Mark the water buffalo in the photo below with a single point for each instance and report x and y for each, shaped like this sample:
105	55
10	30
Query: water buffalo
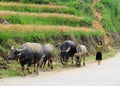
80	54
67	49
48	52
28	53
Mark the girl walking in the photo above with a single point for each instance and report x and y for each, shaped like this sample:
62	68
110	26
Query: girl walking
99	49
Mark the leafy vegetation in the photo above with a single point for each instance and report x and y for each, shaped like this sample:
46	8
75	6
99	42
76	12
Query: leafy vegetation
110	10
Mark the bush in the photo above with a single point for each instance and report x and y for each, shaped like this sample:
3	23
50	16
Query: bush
87	21
85	7
110	14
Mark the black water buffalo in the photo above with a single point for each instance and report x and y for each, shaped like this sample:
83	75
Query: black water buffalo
67	49
28	53
48	56
80	54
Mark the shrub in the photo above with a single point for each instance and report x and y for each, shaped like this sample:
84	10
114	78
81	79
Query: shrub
85	7
87	21
110	14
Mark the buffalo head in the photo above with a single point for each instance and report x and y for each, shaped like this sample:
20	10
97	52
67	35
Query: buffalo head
78	58
64	55
14	53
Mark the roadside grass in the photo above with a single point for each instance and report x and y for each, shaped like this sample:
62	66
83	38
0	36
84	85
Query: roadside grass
15	68
107	55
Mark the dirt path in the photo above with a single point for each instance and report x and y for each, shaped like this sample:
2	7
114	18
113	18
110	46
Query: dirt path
98	25
107	74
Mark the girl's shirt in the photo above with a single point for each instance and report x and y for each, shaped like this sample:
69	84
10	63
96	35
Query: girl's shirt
99	48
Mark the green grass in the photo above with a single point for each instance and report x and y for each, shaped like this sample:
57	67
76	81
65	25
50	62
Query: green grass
39	8
17	19
110	11
48	20
107	55
13	70
44	36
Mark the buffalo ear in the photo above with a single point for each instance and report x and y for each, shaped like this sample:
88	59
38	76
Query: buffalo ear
13	47
59	51
75	54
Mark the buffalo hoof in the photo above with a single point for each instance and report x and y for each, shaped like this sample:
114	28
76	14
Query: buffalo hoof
22	74
37	73
51	68
30	72
78	64
83	64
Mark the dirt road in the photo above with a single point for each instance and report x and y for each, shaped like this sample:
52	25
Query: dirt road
107	74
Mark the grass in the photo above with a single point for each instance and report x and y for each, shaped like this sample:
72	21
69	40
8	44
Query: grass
7	13
107	55
45	18
110	10
40	28
11	6
43	32
14	70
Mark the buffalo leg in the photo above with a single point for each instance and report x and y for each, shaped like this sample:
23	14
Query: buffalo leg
23	73
51	64
72	59
84	60
28	68
80	62
48	63
44	66
36	68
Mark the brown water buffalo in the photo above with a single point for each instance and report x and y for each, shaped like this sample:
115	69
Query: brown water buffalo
80	54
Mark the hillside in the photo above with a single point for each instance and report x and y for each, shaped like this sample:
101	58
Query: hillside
53	21
43	21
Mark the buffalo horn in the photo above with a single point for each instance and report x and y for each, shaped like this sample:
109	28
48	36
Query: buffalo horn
19	50
68	49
